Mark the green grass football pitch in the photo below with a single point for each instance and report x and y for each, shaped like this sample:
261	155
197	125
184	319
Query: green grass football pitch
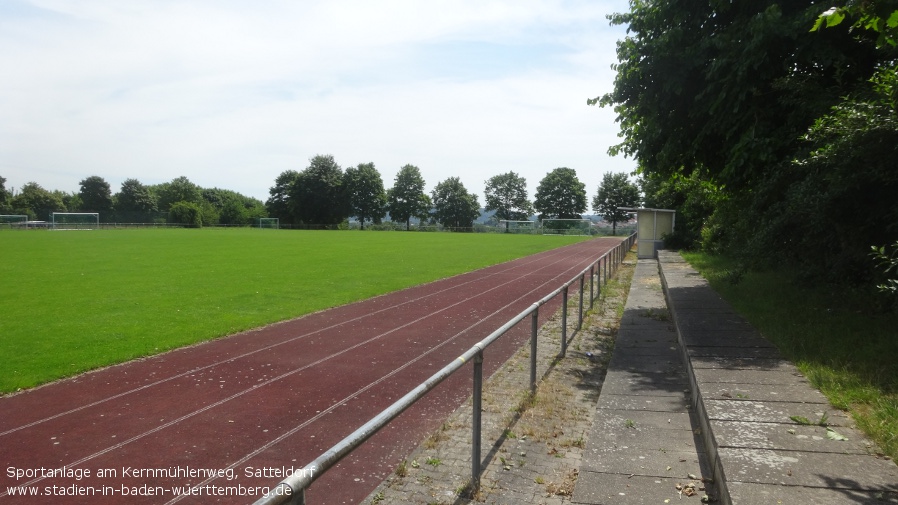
71	301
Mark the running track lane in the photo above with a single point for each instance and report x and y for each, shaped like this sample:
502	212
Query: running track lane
277	396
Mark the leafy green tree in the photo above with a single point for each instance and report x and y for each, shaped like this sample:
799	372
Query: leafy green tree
614	192
279	204
453	206
406	199
318	195
179	189
561	195
5	197
36	202
96	196
367	197
187	213
228	207
881	16
134	202
507	195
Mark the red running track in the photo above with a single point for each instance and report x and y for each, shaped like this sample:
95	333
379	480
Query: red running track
226	415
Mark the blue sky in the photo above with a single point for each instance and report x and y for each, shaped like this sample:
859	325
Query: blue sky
231	93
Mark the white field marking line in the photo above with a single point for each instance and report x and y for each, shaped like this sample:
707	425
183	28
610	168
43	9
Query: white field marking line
311	420
257	386
304	335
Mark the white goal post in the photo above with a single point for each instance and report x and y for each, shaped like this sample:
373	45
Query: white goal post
74	221
13	220
511	226
270	222
559	226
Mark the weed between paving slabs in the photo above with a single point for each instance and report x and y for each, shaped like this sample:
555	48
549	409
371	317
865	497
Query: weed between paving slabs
531	446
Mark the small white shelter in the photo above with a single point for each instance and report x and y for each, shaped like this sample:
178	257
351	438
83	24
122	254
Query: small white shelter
651	226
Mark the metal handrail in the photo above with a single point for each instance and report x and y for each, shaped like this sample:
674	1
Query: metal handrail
292	488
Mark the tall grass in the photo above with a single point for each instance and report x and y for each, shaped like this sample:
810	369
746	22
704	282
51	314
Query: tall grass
74	301
846	349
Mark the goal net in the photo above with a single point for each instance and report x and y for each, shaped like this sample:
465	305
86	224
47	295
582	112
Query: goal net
269	222
12	221
508	226
74	221
566	226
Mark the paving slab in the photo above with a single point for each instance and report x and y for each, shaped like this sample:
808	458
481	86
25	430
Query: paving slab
744	363
742	434
745	492
797	392
810	469
773	412
645	383
724	338
660	403
734	352
609	489
725	376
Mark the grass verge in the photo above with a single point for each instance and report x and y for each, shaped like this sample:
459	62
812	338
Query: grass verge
843	348
74	301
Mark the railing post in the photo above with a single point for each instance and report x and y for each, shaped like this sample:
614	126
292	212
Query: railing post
475	422
564	322
592	296
299	498
534	329
580	315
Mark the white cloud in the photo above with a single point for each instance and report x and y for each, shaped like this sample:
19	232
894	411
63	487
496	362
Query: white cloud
230	93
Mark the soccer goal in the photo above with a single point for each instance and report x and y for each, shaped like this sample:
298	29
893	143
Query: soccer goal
559	226
509	226
74	221
269	222
12	221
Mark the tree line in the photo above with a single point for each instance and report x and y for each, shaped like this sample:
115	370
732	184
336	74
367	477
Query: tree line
178	201
770	126
326	194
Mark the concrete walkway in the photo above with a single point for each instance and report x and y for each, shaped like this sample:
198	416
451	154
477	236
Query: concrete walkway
748	397
643	446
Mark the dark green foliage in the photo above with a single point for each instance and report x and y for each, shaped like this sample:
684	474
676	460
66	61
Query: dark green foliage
227	207
178	190
134	203
406	199
561	195
278	204
365	190
453	206
317	194
187	213
766	138
36	202
507	195
96	196
5	197
614	192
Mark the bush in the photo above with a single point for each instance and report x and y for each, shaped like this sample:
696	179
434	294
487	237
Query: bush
187	213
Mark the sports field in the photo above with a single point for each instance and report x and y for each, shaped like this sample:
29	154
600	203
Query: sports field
74	301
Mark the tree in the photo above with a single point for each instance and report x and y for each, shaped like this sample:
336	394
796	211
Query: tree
36	202
365	189
96	196
187	213
560	195
614	192
318	195
279	204
406	199
5	197
135	199
453	206
224	206
507	195
178	190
